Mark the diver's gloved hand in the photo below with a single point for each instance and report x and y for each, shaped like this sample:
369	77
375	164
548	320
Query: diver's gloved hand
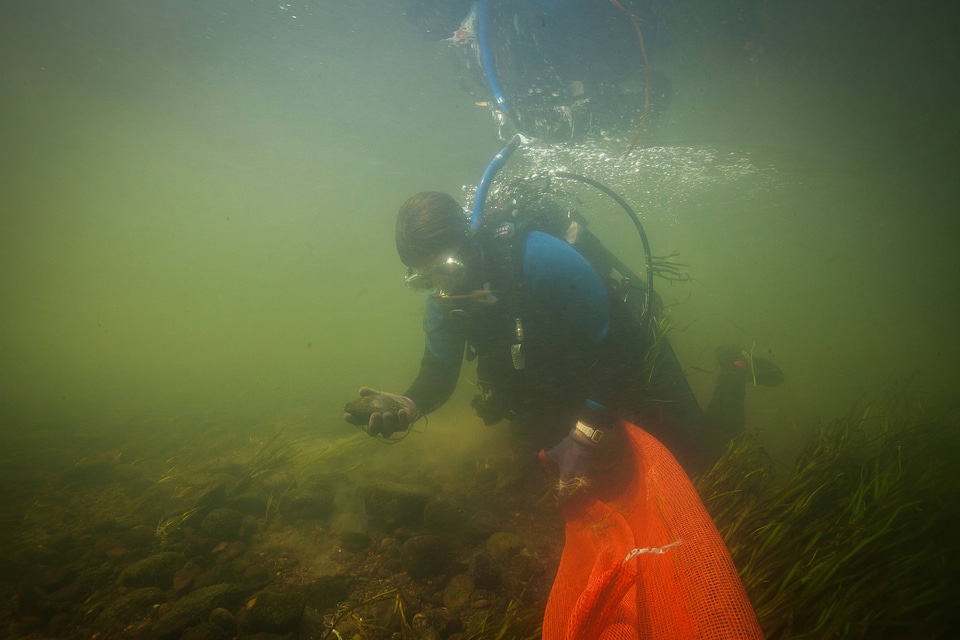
582	458
381	413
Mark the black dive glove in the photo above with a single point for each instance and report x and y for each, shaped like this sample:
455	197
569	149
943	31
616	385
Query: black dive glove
381	413
590	451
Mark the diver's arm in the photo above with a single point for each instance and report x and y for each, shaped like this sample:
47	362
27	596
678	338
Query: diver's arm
434	384
440	365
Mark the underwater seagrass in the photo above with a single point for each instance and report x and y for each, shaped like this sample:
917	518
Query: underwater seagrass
860	540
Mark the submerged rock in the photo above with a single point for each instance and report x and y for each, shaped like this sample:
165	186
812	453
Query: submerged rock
275	611
328	591
315	498
196	606
129	606
224	619
222	524
481	525
523	569
205	631
485	571
354	541
424	556
443	515
502	546
153	571
389	505
456	595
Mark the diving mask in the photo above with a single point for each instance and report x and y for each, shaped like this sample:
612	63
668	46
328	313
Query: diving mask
444	275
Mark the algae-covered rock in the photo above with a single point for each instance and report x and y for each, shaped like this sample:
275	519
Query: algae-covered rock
523	569
485	571
153	571
503	546
275	611
328	591
222	524
424	556
315	497
196	606
443	515
481	525
456	595
128	607
224	619
389	505
205	631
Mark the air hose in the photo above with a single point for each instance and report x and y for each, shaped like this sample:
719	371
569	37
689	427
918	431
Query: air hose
480	199
489	64
483	187
647	255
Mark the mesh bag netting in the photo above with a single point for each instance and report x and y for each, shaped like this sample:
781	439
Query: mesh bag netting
643	559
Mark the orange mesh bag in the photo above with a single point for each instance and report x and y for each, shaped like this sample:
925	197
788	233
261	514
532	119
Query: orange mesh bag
644	560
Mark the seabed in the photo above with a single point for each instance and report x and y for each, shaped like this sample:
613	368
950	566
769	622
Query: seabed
288	538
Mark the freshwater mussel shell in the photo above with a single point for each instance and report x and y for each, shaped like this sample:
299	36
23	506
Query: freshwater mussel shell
363	406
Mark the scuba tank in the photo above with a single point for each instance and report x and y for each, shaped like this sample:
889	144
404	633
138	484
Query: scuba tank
525	198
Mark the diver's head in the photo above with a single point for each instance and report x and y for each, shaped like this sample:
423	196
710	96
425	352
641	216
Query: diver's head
432	233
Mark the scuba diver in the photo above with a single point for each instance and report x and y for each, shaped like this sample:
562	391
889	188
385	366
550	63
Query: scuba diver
562	348
560	329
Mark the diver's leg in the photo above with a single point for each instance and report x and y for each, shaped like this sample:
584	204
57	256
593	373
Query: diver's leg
725	415
669	411
670	380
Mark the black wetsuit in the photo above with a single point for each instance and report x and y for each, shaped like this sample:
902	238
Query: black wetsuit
579	342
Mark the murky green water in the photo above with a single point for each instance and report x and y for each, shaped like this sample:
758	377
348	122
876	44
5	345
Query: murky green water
197	205
198	201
